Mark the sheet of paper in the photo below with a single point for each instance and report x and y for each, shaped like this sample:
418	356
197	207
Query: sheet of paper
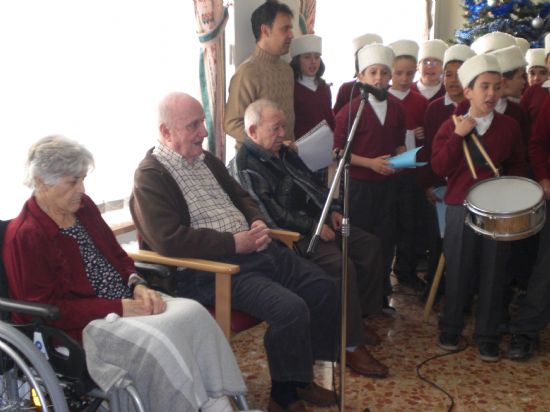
315	147
406	160
441	208
410	142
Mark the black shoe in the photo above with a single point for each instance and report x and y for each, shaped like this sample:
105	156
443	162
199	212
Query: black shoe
521	347
448	341
387	309
489	351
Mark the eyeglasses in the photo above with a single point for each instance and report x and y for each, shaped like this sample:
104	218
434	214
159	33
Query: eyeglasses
431	62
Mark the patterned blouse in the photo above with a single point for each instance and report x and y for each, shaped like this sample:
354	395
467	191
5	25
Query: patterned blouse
105	279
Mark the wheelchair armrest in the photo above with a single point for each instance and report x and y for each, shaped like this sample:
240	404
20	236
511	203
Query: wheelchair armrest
159	277
286	236
39	310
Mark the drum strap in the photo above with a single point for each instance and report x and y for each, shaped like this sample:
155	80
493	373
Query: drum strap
477	157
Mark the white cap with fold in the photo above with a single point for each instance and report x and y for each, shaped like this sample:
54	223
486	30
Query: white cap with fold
523	44
476	65
457	52
405	48
547	44
434	49
368	38
509	58
374	54
308	43
493	41
535	57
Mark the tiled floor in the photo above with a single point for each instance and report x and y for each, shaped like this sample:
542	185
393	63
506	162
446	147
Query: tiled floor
407	341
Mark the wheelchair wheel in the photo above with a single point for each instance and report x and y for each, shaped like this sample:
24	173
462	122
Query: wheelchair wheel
27	381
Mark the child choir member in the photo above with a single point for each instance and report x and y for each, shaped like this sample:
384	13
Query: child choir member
410	205
430	68
467	253
349	90
312	96
379	135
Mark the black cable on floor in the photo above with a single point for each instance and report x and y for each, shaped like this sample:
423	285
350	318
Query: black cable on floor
433	384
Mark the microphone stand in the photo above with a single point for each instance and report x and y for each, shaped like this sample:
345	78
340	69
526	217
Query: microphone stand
343	165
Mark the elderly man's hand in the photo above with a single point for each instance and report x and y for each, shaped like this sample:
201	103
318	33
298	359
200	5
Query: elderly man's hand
150	298
254	240
327	234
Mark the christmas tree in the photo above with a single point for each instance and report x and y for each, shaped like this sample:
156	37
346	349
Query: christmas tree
520	18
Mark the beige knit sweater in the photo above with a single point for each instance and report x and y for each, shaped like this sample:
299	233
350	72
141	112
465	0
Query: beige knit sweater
262	75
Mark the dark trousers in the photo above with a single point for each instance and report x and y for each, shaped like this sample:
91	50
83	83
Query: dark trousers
462	248
365	276
534	312
373	209
294	296
405	248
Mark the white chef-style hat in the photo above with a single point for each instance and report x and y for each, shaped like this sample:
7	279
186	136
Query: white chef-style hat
476	65
493	41
434	49
404	48
308	43
363	40
374	54
535	57
457	52
509	58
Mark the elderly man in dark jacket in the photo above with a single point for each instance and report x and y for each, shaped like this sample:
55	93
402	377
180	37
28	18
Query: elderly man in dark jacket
293	198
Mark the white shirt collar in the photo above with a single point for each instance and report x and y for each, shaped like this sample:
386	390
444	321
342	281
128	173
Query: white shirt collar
428	91
501	105
380	108
398	93
309	82
546	84
483	123
449	101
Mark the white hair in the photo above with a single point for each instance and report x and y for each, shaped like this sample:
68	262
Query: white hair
253	113
54	157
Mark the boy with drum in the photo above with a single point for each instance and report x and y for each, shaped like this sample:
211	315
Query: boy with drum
501	137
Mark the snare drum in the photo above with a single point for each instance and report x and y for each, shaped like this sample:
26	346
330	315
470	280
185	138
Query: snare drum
506	208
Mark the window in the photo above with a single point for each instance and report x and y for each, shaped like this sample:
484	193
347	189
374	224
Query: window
93	71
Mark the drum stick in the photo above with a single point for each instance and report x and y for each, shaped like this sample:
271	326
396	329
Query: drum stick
485	154
467	154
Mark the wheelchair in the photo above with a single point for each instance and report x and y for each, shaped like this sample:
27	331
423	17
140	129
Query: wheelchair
41	367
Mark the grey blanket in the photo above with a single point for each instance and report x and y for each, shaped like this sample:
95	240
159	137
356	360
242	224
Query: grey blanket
176	360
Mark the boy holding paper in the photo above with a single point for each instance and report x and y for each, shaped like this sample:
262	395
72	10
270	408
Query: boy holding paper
380	134
501	137
411	205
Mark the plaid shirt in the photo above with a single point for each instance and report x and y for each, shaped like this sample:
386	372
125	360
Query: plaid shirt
209	206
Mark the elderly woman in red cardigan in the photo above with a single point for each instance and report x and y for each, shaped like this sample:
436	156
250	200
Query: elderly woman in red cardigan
61	252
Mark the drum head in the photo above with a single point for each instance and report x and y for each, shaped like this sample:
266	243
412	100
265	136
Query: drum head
505	195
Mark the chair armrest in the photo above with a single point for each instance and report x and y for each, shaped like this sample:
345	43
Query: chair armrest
190	263
223	272
37	310
286	236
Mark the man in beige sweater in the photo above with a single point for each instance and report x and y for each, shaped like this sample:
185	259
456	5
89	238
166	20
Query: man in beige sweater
264	74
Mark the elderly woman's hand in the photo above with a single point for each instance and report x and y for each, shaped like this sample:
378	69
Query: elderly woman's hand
145	302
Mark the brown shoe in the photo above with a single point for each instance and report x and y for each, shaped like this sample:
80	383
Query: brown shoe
371	337
317	395
297	406
361	361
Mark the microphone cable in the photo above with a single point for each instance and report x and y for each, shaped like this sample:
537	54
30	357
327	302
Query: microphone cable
432	383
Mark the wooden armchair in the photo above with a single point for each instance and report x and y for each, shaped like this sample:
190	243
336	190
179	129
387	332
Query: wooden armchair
223	272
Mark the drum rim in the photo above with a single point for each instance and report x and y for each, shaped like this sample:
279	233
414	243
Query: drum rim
487	213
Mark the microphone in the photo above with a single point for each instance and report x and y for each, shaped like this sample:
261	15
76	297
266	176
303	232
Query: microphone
380	94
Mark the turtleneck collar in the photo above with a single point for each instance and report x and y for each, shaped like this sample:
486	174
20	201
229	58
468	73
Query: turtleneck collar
261	54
